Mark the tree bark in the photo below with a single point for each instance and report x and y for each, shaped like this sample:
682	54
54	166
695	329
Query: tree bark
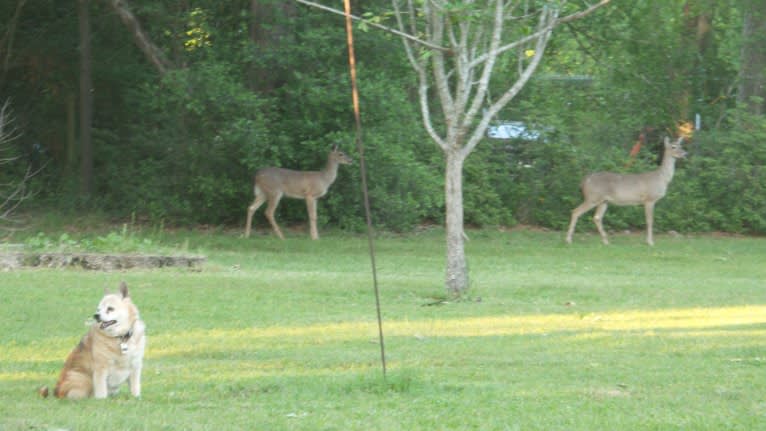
752	86
86	100
457	267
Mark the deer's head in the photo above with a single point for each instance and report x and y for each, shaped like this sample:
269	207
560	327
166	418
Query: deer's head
674	148
340	157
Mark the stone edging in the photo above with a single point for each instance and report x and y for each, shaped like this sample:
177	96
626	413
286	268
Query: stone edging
96	261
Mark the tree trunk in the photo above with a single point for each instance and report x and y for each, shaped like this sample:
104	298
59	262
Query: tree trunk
696	40
86	100
457	268
269	29
71	133
753	58
252	30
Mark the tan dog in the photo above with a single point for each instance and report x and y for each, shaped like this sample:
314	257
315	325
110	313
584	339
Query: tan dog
109	354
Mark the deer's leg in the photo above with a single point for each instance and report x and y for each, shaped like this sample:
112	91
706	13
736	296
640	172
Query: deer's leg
273	202
311	206
649	212
259	199
576	213
598	218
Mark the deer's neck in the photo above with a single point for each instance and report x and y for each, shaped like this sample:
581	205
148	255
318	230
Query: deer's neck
330	171
668	167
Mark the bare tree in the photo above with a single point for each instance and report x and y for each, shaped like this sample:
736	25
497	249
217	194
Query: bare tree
86	99
455	48
13	191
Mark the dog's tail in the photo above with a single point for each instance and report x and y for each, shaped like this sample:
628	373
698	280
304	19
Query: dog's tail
43	391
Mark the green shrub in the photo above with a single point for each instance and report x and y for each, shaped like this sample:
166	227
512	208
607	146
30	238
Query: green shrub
722	185
190	158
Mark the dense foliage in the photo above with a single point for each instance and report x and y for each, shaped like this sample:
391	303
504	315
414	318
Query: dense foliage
266	83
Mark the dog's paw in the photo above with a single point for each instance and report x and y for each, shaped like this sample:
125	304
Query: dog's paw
43	391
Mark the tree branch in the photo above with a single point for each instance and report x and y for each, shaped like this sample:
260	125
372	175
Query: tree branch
436	26
376	25
481	93
14	192
547	15
154	54
538	33
419	64
583	13
415	61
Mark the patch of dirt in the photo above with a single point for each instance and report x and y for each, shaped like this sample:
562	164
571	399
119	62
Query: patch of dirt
619	392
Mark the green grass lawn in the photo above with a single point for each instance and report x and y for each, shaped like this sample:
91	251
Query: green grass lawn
282	335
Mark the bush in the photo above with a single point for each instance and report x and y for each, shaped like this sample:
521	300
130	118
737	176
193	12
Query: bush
723	183
191	156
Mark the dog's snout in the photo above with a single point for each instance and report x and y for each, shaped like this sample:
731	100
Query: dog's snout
96	317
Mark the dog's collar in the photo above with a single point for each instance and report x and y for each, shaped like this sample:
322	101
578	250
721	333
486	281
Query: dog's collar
124	341
126	337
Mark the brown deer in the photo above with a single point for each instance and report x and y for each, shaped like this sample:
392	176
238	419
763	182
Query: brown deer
602	188
272	183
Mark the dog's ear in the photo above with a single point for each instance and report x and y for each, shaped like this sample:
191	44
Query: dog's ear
124	289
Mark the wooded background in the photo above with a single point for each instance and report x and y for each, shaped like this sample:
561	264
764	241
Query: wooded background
163	110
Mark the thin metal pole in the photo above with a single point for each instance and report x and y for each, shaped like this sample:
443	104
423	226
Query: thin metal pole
363	171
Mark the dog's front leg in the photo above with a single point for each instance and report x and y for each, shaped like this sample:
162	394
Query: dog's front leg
135	383
99	384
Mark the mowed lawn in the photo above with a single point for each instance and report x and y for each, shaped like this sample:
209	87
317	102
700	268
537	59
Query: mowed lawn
282	335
